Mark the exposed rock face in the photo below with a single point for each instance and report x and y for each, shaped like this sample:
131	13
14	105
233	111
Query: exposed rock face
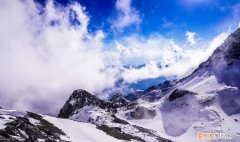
81	98
119	100
118	133
24	129
230	49
178	94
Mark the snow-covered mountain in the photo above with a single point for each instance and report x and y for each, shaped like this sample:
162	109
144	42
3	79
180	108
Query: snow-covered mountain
206	101
20	126
85	107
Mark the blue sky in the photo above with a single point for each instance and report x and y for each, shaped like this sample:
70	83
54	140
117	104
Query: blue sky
169	18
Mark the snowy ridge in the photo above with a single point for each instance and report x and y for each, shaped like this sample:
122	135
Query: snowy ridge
104	116
77	131
61	130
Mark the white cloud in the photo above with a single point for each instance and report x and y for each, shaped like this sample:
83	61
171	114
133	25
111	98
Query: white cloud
43	58
126	15
158	51
151	70
195	2
191	37
137	50
217	41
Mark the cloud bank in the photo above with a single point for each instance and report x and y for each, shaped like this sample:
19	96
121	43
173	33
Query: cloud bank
164	57
47	53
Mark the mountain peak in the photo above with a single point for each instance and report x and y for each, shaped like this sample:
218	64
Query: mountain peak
81	98
81	94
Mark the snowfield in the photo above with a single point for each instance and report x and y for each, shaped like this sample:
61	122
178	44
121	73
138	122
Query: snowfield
79	131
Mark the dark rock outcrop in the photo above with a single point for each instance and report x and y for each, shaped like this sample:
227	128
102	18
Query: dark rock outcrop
22	129
118	134
178	94
80	98
119	101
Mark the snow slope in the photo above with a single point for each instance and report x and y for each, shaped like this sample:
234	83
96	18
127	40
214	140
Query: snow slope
79	131
73	131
